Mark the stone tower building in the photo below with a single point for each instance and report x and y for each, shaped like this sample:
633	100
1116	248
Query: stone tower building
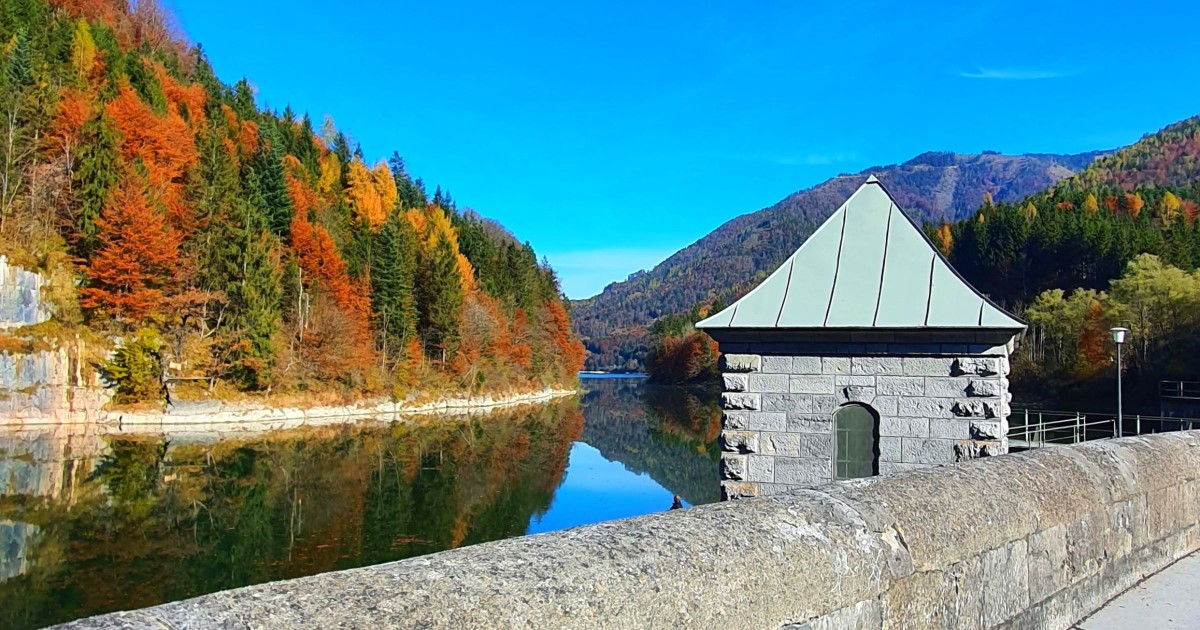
864	353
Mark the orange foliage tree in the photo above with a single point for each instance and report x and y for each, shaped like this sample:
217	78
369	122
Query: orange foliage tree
136	258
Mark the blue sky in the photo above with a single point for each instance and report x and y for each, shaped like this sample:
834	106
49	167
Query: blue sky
612	134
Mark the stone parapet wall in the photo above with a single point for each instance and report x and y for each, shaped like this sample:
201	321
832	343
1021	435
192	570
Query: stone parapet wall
937	404
1030	540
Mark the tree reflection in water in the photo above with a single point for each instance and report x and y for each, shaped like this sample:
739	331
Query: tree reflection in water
161	520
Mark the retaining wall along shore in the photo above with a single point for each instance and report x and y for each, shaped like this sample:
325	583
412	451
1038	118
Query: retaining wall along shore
1031	540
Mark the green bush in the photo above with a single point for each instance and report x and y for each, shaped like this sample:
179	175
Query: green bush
136	368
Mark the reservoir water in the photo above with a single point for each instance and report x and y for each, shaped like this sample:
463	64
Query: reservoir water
92	523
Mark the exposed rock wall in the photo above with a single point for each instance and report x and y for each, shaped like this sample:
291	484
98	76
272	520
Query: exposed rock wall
936	404
21	301
50	386
1029	540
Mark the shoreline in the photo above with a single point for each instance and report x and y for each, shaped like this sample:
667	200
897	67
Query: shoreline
206	416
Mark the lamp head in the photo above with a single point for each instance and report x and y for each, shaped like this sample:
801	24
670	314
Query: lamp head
1118	334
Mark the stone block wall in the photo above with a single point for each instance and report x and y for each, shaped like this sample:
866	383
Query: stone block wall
937	404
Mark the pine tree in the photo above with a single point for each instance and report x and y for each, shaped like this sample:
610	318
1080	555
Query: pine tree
393	277
439	297
255	298
95	177
265	179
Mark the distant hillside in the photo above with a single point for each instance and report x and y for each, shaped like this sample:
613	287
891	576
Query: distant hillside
932	187
1170	157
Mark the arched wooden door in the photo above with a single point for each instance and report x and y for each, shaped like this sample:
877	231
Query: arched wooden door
855	442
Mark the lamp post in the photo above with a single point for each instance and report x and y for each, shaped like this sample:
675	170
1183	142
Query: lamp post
1118	334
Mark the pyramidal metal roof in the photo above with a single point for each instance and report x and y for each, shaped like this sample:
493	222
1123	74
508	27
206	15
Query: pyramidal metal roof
867	267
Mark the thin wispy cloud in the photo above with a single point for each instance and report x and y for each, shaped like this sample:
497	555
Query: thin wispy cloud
1014	74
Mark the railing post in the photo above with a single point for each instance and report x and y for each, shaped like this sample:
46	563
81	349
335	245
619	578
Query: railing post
1076	441
1139	424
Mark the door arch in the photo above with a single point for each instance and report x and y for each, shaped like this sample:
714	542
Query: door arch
855	442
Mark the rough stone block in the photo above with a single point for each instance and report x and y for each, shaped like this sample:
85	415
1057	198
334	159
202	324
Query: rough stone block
877	365
925	407
789	403
946	387
735	420
903	427
886	405
735	382
774	383
762	469
949	428
1006	580
812	384
809	424
1048	571
782	444
988	430
974	449
733	467
767	421
891	449
737	401
775	364
806	365
739	442
928	451
888	468
857	393
900	385
825	403
816	446
835	365
845	380
802	471
978	409
741	363
928	366
984	388
976	366
737	490
866	615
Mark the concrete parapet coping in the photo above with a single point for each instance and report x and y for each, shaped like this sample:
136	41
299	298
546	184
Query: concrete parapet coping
1031	540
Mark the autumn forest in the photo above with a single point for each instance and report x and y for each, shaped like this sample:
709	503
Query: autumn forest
255	247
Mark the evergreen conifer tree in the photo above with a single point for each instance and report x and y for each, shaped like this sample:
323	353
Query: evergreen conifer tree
95	177
393	279
439	296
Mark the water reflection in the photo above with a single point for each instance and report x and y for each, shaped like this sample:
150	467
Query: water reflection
91	523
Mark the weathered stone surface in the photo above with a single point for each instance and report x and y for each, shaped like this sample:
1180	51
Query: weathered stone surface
976	408
835	365
974	449
825	403
735	382
925	407
738	490
978	366
861	616
857	394
949	428
735	420
812	384
900	385
801	471
984	387
806	365
802	423
891	449
886	405
774	383
739	442
903	427
782	444
762	469
767	421
733	467
876	365
988	430
928	366
788	403
928	451
740	363
845	380
939	387
776	364
735	401
1006	574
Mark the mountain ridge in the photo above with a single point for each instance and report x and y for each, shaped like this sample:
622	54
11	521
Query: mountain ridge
933	186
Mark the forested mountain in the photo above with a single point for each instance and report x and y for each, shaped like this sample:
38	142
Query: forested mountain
932	187
248	245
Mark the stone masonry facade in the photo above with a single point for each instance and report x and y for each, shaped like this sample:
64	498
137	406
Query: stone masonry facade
937	403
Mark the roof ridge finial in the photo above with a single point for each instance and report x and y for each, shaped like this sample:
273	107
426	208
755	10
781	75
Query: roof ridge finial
871	179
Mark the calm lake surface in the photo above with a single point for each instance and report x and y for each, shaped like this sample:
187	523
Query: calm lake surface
92	523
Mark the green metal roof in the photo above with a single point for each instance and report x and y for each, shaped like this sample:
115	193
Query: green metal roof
868	266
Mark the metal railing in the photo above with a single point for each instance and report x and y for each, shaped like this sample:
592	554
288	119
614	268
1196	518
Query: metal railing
1179	389
1036	428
